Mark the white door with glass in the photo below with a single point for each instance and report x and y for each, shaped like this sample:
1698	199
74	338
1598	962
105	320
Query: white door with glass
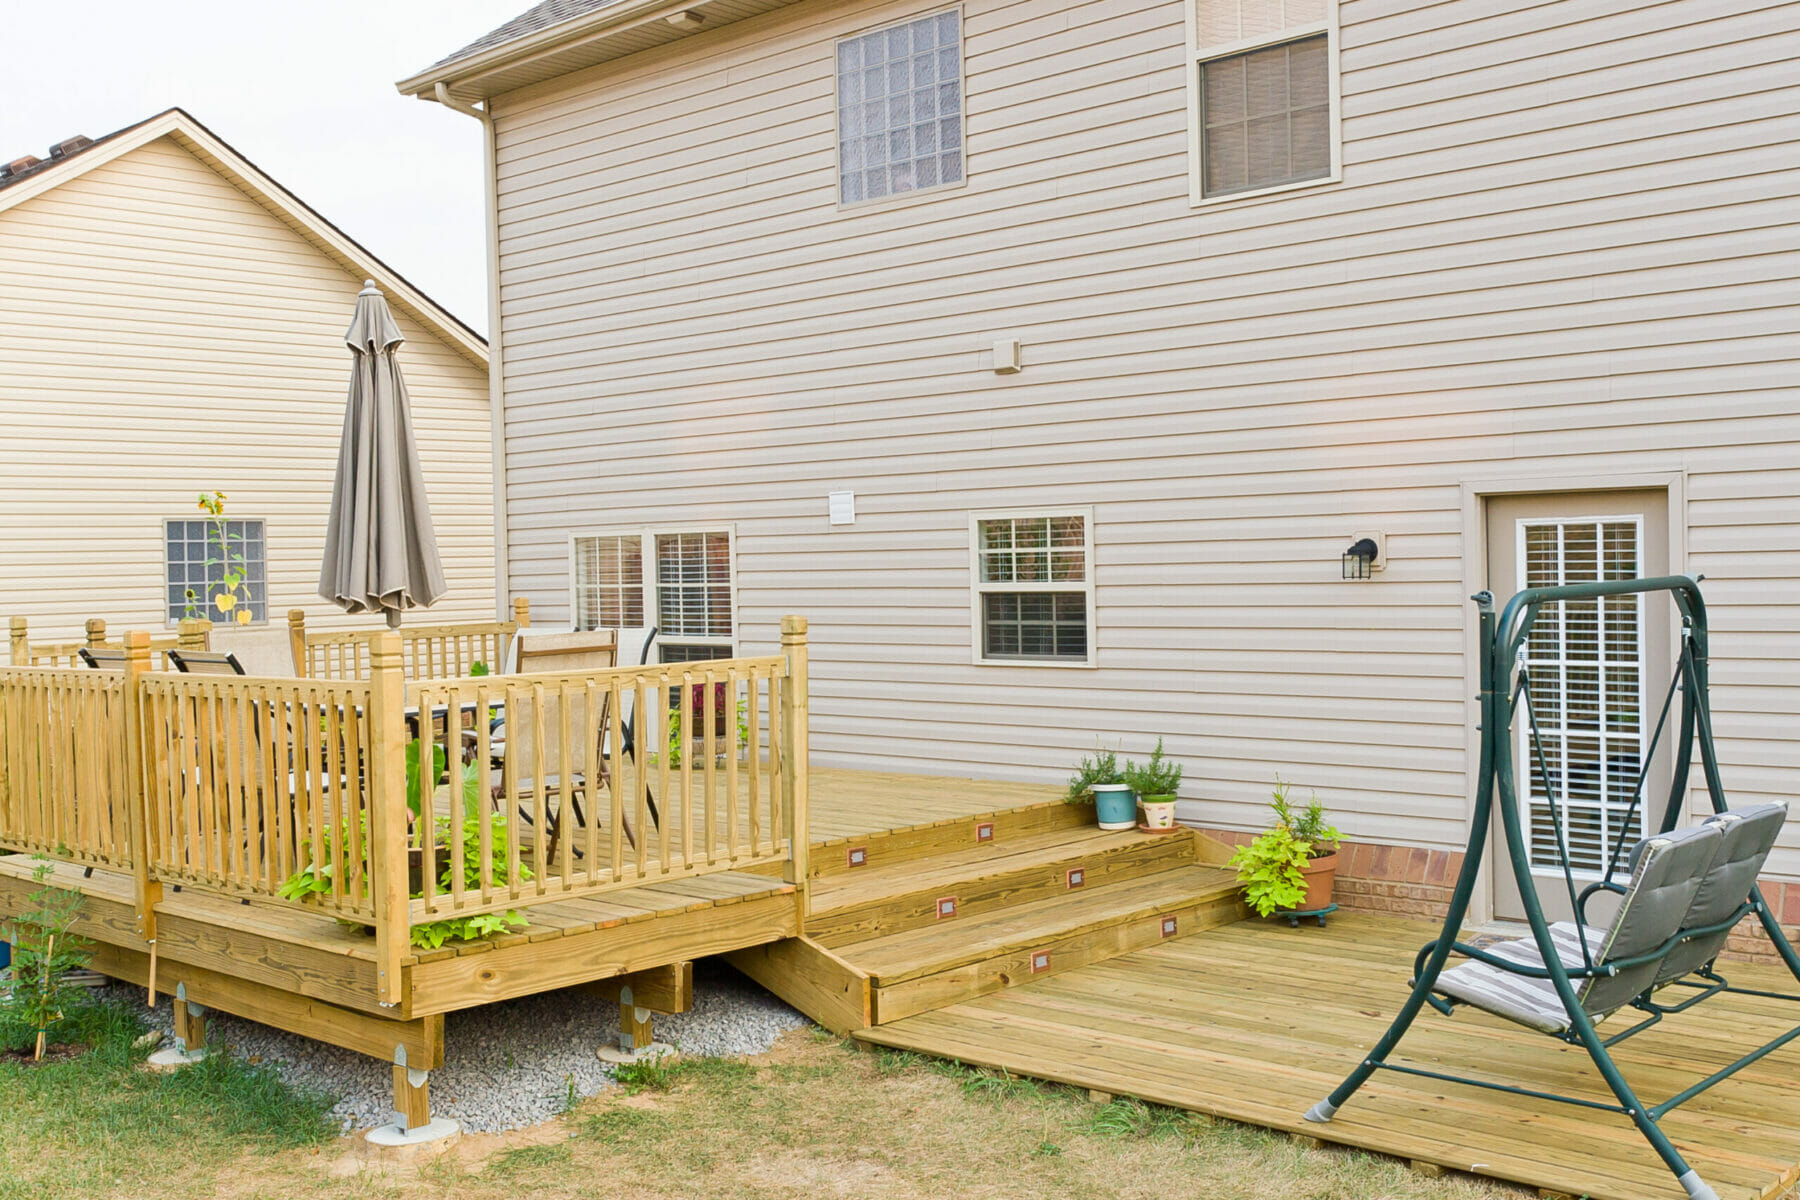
1598	671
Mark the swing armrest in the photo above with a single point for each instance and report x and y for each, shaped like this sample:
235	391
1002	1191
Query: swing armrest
1605	885
1515	968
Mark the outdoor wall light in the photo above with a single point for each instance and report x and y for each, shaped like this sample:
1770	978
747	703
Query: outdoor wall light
1359	559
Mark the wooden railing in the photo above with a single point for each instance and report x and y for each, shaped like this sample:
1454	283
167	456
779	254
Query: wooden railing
428	651
249	782
595	772
569	784
192	634
63	783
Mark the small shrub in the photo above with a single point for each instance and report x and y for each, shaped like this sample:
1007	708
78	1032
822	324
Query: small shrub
1102	766
1158	777
41	1003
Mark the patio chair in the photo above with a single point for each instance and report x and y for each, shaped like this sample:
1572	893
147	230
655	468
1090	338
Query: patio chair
103	658
205	662
589	756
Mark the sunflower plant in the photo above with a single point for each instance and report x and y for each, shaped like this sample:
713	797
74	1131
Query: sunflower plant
231	594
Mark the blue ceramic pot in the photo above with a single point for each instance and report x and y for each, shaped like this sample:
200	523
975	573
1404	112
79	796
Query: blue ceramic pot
1116	806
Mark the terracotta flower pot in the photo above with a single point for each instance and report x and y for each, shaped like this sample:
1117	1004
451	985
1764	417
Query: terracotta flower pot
1321	874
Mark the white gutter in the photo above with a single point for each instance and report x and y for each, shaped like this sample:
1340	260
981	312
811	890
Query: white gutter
496	353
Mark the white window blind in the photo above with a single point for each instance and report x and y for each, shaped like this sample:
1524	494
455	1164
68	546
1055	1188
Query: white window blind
1586	664
899	106
609	583
1263	93
693	585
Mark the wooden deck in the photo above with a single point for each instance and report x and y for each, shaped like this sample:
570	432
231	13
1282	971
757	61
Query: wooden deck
1255	1021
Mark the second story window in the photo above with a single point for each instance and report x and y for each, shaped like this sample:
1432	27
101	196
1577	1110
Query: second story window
899	109
1263	95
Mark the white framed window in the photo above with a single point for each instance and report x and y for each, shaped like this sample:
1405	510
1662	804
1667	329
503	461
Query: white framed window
900	109
1032	594
1262	97
688	592
199	556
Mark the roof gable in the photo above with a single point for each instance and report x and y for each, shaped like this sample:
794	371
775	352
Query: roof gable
187	132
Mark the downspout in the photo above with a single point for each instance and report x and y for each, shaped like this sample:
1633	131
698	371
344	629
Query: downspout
496	356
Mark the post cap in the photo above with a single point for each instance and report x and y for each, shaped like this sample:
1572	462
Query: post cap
95	625
793	624
17	624
296	616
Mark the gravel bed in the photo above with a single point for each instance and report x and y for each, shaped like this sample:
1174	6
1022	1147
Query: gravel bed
506	1065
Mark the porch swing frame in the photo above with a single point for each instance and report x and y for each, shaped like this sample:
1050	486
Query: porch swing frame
1500	642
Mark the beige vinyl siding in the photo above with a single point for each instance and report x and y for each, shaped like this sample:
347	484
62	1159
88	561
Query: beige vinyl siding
161	334
1565	245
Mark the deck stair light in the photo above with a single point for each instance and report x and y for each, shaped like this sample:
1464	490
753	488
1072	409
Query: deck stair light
1359	559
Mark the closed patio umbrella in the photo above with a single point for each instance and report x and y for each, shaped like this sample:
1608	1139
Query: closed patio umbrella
380	552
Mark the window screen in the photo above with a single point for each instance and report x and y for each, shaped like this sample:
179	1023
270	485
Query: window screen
1266	117
609	583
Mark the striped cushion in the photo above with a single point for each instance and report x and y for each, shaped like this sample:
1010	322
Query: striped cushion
1520	998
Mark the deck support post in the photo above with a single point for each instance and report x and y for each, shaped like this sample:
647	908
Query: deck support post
96	632
190	1036
146	892
20	642
413	1123
795	753
387	817
637	1041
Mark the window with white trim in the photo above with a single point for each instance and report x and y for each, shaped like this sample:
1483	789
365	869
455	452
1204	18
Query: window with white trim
689	593
1262	95
1034	587
899	109
216	569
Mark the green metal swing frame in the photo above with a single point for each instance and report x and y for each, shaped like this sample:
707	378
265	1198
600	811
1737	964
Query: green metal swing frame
1503	682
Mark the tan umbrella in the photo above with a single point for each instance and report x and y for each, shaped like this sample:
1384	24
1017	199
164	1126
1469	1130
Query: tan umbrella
380	552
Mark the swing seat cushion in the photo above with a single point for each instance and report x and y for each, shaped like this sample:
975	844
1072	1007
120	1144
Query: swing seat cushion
1747	837
1530	1002
1668	873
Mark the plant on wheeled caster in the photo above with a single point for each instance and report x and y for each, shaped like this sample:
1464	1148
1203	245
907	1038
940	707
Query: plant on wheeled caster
1290	867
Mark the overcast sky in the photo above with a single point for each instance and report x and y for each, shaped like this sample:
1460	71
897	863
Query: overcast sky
303	88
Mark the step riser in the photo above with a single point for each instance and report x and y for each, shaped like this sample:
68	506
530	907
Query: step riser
829	860
1077	949
986	892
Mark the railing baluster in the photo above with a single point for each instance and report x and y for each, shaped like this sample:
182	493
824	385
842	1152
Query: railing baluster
709	717
615	786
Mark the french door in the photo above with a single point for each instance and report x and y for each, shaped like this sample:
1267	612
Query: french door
1598	670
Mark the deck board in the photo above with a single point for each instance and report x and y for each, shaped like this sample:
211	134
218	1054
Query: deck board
1254	1022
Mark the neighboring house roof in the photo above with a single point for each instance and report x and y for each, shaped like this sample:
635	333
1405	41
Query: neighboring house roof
560	36
78	156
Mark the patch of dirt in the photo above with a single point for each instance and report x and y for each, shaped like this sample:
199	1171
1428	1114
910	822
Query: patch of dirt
54	1052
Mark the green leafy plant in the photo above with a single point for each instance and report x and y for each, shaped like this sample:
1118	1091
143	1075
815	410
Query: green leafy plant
1308	823
41	1002
1272	868
231	595
1158	777
1102	766
479	669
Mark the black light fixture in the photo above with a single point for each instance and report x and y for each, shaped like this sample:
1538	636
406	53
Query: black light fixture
1359	559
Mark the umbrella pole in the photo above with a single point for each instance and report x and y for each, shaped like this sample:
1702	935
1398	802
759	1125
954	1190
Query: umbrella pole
393	618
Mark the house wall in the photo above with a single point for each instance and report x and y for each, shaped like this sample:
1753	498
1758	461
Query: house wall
163	334
1565	248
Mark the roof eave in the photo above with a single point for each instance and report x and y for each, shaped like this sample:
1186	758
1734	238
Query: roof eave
459	74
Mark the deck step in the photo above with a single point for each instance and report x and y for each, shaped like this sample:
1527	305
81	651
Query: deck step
862	852
880	901
920	969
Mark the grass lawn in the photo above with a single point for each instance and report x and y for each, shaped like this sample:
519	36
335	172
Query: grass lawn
814	1117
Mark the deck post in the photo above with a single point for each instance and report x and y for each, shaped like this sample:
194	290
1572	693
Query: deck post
522	611
297	641
796	739
387	813
96	632
146	892
193	633
20	642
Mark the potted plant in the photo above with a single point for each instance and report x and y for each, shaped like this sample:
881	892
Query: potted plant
1098	775
1155	783
1291	866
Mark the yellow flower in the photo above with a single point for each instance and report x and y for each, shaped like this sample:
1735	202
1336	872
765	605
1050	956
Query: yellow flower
243	617
225	601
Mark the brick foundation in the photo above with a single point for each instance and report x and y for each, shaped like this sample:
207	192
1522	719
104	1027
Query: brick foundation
1412	882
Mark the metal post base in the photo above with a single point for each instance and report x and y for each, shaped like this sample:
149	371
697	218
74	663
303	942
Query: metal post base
1696	1187
1321	1112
